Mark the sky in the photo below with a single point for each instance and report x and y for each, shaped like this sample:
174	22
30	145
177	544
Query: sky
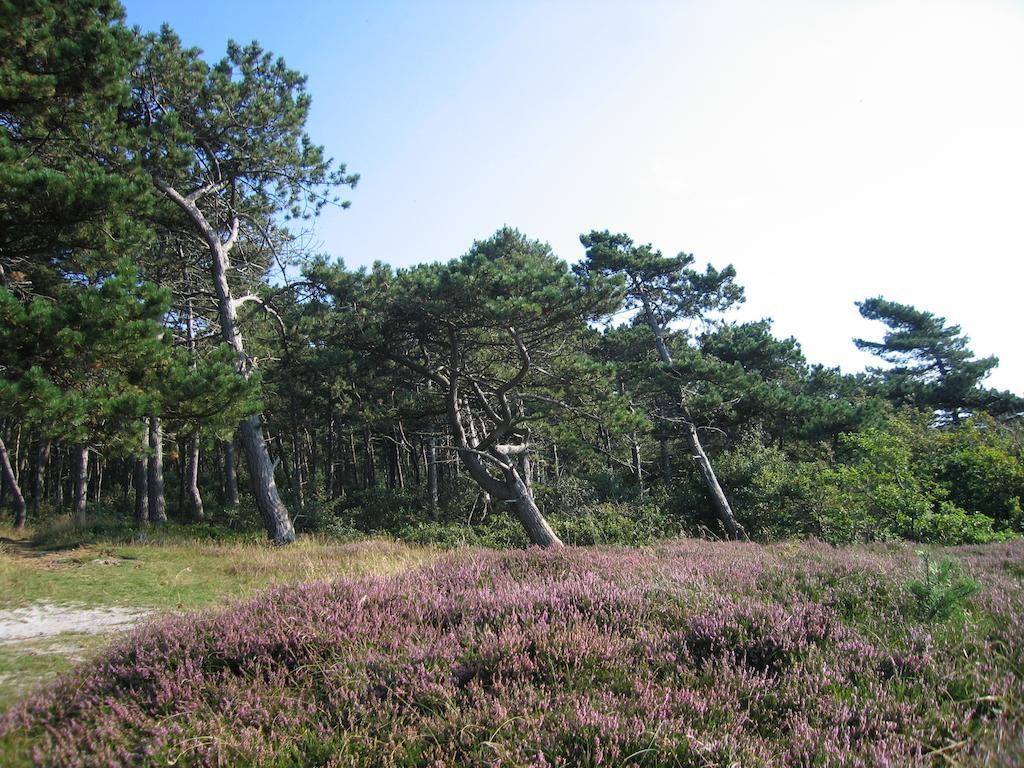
830	150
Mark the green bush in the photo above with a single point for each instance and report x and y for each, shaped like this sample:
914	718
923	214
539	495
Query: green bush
943	593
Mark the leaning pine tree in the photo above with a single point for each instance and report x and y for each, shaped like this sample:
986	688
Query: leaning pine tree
664	289
931	365
486	333
227	146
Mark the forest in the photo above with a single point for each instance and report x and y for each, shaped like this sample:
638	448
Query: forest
174	356
169	349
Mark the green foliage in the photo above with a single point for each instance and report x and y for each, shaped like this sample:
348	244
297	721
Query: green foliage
767	490
70	190
944	591
670	285
100	122
84	367
979	468
882	489
235	129
933	367
205	395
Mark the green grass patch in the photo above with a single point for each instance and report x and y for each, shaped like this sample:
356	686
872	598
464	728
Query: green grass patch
183	574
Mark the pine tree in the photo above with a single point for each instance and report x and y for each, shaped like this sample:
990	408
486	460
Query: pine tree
226	145
663	290
489	332
71	195
931	365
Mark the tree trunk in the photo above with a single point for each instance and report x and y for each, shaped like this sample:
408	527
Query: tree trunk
192	480
20	508
353	463
399	440
261	469
192	443
369	476
329	459
433	497
638	467
717	496
42	459
282	459
536	525
157	502
512	488
525	471
296	453
58	486
666	460
230	475
141	492
313	457
182	472
718	499
98	481
80	474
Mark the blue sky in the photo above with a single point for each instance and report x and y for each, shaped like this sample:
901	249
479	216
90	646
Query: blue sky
831	151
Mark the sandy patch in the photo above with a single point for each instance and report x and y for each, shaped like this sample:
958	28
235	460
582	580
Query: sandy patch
44	619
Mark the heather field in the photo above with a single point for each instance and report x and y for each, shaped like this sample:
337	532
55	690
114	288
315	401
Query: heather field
684	654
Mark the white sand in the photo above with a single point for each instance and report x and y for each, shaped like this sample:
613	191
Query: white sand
44	619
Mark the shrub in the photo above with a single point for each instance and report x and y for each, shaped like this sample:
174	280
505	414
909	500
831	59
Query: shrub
676	655
944	591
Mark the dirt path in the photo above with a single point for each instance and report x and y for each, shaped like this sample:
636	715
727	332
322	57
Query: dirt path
46	619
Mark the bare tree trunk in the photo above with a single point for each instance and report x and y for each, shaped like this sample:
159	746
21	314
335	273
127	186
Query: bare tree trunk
230	475
191	444
433	496
282	458
329	460
58	486
98	481
42	459
141	492
353	463
268	500
182	471
512	488
296	453
393	460
369	476
261	468
399	439
536	525
20	508
157	502
666	459
192	481
80	473
718	499
638	467
715	493
525	471
16	463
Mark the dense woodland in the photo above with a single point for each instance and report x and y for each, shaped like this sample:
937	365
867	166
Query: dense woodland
170	349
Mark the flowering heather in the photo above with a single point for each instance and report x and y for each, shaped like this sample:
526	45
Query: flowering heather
688	654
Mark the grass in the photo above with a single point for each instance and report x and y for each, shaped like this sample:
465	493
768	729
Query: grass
25	664
182	574
169	572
